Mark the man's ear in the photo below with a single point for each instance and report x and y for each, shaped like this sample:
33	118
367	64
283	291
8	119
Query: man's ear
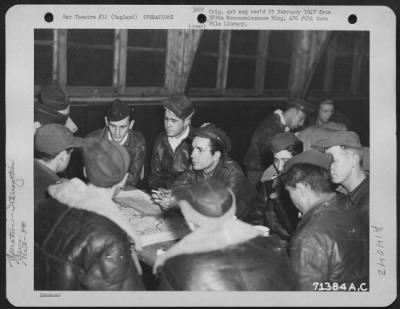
217	155
131	124
84	172
105	120
301	188
37	125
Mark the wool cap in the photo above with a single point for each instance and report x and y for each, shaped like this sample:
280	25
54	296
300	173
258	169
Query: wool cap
338	138
106	162
206	202
312	157
118	110
180	105
54	97
282	141
209	130
54	137
301	104
46	114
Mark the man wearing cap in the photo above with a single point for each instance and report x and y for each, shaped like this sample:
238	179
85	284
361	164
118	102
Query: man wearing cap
53	100
171	150
53	144
119	123
210	159
274	207
81	239
328	248
347	168
259	156
222	253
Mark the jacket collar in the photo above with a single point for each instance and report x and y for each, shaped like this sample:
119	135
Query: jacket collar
46	170
328	200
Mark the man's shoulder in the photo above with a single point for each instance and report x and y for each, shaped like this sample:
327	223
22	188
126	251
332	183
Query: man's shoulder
232	166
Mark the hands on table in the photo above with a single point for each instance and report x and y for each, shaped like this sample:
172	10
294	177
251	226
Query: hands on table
163	198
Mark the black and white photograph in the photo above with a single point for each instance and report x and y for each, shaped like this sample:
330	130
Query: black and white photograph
228	155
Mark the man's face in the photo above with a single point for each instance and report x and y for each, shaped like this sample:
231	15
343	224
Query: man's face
296	119
69	124
202	158
119	129
280	159
64	158
342	164
325	112
174	126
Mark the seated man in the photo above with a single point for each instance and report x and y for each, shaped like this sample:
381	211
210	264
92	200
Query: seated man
274	207
171	150
222	253
329	246
78	249
259	156
53	144
347	168
210	159
119	123
56	99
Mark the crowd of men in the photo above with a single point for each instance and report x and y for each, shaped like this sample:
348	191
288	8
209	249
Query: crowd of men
309	188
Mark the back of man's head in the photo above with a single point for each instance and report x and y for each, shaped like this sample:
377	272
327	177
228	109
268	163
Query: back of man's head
311	168
206	203
106	162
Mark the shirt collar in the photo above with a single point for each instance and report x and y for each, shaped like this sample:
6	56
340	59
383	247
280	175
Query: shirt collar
282	119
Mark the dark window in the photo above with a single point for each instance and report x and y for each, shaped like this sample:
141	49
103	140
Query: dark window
90	57
43	56
146	58
277	75
205	65
280	44
242	59
342	74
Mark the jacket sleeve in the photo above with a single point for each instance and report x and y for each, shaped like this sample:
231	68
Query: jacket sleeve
137	160
109	265
309	257
156	179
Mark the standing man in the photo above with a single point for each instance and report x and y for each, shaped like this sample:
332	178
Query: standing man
347	168
53	145
171	150
222	253
210	159
119	122
78	249
259	156
329	247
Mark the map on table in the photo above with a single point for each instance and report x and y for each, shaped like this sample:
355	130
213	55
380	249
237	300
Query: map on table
148	220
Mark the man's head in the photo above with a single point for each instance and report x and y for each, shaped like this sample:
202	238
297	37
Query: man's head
56	99
326	109
296	112
210	145
207	204
53	144
118	120
284	146
178	114
346	151
106	162
306	177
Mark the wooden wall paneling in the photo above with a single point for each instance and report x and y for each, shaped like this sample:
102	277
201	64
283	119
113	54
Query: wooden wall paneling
223	59
261	61
120	60
357	64
61	61
330	63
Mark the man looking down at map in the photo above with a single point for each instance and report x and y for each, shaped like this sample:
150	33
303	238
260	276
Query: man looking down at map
87	248
210	159
222	253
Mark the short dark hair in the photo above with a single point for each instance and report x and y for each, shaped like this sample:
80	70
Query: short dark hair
216	145
317	178
296	148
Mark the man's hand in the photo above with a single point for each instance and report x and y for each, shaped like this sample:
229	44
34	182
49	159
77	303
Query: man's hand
163	198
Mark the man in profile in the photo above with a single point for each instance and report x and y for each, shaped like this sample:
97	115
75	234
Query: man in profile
53	145
222	253
329	247
210	159
259	156
119	122
171	150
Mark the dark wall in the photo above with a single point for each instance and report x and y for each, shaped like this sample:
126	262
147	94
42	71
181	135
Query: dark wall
238	118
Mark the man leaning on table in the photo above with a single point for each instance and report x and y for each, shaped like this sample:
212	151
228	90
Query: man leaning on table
222	253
